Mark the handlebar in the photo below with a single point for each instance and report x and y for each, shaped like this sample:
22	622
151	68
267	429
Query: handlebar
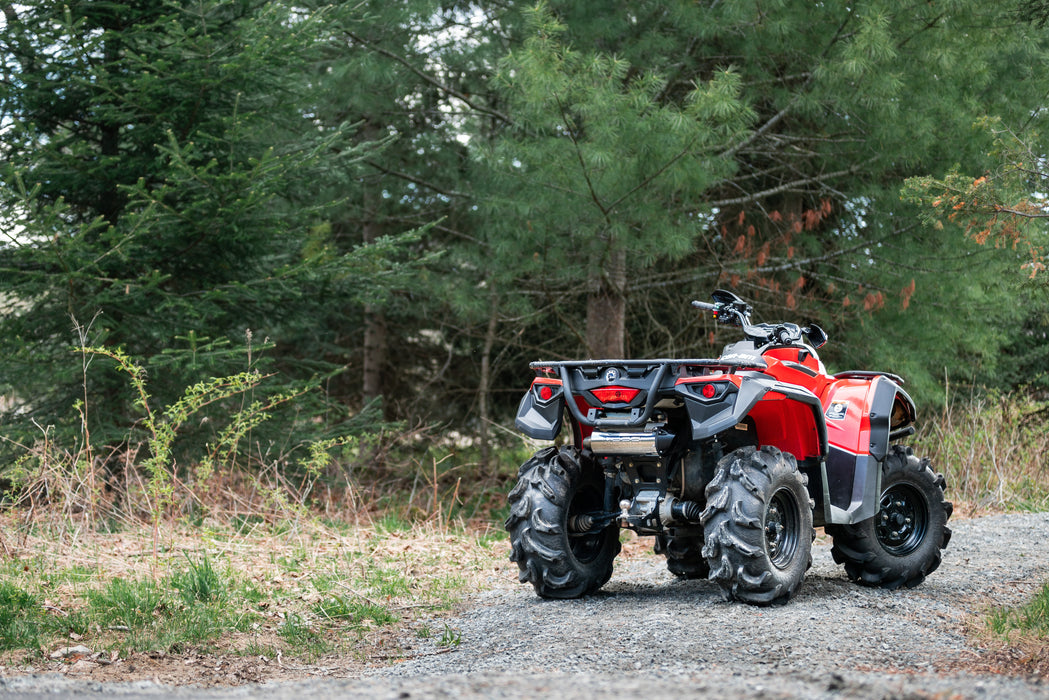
729	309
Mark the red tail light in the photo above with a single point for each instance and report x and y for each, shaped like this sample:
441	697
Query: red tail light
615	394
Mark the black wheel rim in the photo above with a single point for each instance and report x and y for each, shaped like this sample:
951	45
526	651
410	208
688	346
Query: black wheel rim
781	528
903	520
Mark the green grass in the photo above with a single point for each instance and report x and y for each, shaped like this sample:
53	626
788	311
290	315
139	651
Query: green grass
28	624
124	603
188	609
356	613
303	639
1030	620
20	618
200	582
318	592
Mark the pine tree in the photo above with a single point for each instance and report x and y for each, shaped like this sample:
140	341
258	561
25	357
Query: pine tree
160	169
599	177
801	209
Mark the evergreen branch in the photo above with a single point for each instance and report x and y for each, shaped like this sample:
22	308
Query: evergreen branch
430	79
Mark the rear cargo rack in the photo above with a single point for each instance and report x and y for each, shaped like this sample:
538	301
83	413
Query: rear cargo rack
758	363
640	415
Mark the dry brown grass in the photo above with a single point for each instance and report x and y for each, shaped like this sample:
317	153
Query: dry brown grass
993	450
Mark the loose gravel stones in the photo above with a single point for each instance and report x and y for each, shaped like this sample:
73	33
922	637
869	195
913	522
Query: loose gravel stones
649	634
647	625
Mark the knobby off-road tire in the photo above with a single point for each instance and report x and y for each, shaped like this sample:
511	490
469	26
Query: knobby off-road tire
902	543
684	556
758	526
554	485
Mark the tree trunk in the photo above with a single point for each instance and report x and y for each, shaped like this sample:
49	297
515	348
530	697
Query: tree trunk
485	380
375	345
375	351
606	311
376	348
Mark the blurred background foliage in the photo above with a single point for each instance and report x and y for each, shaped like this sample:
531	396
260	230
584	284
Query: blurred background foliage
387	209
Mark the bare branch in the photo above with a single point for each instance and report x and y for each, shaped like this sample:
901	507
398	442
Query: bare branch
644	183
582	164
414	180
431	80
773	120
1021	213
750	198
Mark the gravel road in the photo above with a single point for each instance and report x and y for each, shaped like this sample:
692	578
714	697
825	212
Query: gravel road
648	634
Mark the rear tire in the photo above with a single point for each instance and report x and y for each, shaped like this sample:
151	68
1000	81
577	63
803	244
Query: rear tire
684	556
758	526
902	543
554	485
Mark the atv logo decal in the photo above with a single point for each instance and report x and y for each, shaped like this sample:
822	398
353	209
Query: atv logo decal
837	410
611	374
744	358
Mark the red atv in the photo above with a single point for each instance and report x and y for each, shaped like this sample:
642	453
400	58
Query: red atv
729	463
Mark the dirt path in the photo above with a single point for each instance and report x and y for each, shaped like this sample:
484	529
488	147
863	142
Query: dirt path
647	634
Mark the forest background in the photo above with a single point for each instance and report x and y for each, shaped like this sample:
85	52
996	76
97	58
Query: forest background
245	237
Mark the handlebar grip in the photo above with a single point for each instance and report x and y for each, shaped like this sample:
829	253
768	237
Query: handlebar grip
704	305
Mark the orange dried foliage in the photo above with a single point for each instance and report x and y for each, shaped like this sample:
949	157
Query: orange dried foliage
763	254
811	218
906	293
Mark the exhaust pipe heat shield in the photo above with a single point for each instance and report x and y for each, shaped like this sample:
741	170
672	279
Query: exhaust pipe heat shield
639	444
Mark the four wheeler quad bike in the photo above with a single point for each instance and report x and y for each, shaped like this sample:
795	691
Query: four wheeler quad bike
729	463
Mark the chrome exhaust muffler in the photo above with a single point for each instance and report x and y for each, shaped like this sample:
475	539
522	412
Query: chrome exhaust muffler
638	444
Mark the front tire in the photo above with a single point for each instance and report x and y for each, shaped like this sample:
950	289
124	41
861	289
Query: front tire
684	555
758	526
902	543
552	487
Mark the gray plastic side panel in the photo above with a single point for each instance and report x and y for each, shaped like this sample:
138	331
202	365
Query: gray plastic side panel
736	407
539	421
851	487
